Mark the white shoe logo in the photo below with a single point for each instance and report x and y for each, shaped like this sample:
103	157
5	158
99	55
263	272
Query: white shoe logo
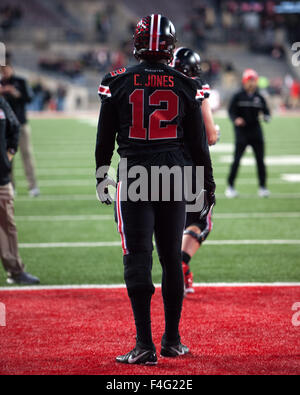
133	360
177	351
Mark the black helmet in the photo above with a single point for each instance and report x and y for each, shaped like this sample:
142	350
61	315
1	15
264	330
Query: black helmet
187	62
154	38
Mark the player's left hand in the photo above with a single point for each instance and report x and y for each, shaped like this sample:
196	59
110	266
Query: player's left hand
102	189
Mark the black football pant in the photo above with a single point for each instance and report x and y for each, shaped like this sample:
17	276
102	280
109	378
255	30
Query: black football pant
258	149
137	223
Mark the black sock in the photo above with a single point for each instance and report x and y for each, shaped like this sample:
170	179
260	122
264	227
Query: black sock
186	257
141	306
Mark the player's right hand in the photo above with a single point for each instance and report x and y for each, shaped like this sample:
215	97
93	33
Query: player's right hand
239	122
208	204
102	189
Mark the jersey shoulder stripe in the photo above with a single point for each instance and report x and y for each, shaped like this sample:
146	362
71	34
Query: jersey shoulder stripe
203	91
206	91
200	94
104	90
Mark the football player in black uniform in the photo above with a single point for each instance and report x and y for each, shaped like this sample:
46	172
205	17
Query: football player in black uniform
244	111
198	224
151	109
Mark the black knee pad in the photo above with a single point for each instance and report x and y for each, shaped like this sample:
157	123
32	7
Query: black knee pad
137	273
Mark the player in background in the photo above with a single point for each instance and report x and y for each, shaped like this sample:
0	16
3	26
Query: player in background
244	111
152	111
199	224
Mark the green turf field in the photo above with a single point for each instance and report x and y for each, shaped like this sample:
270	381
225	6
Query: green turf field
68	212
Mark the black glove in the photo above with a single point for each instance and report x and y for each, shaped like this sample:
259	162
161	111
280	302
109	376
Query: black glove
211	198
208	204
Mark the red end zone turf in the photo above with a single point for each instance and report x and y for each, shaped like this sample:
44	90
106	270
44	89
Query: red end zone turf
230	330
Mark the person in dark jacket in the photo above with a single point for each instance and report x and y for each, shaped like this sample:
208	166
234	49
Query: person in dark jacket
17	93
244	111
9	252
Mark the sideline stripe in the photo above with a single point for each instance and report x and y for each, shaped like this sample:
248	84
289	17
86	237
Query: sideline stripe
63	218
119	244
122	286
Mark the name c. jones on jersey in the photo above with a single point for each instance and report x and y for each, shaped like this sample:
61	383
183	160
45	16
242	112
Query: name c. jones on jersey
154	80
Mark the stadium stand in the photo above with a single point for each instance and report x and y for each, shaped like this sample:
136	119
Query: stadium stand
77	42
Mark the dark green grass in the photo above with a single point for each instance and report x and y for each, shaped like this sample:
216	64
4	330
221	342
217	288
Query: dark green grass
64	152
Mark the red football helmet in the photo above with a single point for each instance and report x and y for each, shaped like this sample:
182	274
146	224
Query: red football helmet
154	38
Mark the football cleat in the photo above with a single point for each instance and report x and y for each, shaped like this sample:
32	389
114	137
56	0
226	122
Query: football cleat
231	193
188	284
263	192
174	350
34	192
188	279
139	356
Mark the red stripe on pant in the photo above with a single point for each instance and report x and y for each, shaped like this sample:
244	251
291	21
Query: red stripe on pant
120	219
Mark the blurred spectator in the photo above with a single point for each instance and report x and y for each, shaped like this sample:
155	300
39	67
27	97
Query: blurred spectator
103	26
295	95
259	24
61	94
10	17
41	97
104	23
211	69
66	67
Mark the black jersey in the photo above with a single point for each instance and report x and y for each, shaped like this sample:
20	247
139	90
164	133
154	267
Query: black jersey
9	135
150	108
18	104
248	107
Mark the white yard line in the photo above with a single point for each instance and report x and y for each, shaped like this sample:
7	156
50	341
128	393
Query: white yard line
89	181
109	217
278	160
118	243
84	197
122	286
63	218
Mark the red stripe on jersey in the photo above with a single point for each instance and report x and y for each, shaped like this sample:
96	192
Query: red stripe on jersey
206	87
104	90
200	94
